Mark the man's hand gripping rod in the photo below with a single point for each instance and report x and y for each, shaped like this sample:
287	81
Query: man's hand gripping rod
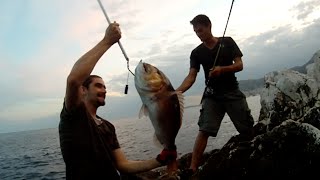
120	45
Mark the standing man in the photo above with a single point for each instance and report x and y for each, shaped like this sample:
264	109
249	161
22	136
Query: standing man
222	94
89	143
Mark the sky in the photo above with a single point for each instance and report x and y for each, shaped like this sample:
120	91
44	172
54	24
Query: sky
41	40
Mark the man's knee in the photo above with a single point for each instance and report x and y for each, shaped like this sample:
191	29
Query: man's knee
203	135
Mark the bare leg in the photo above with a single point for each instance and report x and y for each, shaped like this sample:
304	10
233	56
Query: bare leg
198	149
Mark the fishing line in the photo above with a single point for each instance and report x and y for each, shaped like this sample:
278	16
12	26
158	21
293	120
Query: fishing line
120	45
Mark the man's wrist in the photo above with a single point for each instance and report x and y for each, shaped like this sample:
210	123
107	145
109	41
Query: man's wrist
167	155
106	42
160	160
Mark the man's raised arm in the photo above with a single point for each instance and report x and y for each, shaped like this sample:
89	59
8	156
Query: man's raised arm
84	66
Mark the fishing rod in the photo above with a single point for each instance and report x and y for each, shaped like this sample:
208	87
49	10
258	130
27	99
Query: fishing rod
225	29
120	45
218	52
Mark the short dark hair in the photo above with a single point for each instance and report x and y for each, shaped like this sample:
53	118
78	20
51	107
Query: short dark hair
89	79
201	19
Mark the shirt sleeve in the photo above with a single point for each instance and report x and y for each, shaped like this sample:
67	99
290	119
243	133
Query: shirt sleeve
64	112
236	52
115	144
65	133
111	136
68	113
193	61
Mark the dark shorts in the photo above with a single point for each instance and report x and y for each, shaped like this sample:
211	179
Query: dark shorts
234	104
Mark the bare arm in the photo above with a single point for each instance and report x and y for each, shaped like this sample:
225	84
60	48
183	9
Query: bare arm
127	166
235	67
84	66
188	81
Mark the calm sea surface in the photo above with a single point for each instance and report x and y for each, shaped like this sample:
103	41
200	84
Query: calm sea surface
31	155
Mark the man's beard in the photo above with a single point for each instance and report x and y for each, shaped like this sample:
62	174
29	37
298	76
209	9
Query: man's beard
101	103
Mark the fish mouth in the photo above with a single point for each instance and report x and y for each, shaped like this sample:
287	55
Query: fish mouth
146	67
143	66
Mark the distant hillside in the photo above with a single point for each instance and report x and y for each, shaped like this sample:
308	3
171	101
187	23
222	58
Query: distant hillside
254	86
303	69
251	86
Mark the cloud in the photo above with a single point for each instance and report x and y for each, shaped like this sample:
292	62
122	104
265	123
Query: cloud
306	8
280	48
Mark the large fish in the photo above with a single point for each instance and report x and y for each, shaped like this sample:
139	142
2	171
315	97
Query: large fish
161	103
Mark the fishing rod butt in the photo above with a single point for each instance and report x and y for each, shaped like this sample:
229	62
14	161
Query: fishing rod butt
126	89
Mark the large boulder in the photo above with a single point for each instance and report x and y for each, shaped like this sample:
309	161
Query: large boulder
313	69
288	95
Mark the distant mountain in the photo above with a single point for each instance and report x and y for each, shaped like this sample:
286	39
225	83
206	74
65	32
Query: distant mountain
247	85
253	86
303	69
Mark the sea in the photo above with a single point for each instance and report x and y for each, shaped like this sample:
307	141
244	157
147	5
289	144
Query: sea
36	154
31	155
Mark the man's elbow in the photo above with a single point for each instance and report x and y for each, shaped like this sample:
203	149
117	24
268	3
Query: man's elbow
72	81
124	168
240	68
121	169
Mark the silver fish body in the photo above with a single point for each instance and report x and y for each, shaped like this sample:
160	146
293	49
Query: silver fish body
161	103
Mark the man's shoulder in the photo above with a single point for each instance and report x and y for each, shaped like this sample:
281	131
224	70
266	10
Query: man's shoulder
198	48
74	110
108	123
226	39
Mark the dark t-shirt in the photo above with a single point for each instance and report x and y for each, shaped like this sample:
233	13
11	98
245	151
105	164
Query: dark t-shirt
204	56
87	147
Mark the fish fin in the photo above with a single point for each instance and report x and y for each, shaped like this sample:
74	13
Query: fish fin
156	141
143	111
181	103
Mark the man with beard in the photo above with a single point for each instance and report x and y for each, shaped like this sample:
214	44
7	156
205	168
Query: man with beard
88	142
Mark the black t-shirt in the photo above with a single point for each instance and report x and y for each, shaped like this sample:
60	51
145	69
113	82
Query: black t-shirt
87	147
204	56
